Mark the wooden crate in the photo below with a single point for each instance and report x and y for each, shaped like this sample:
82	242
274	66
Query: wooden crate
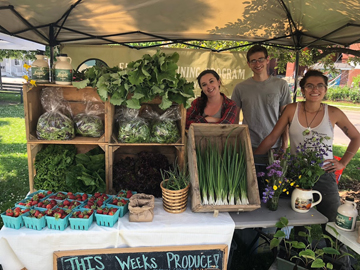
75	97
218	133
118	152
154	105
34	148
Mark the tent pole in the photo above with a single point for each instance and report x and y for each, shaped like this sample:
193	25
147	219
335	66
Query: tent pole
52	44
296	73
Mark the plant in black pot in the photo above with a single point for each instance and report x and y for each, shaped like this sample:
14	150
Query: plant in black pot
300	253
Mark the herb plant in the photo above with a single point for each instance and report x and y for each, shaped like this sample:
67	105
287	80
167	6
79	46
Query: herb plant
310	255
175	178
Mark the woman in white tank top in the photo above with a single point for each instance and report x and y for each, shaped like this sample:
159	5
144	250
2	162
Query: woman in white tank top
312	115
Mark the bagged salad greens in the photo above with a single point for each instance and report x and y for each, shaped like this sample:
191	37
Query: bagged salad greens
132	127
56	123
89	123
164	128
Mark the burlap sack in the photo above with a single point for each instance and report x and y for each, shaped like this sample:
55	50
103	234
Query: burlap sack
141	208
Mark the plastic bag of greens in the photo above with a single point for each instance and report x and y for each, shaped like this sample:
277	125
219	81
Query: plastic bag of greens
89	123
56	123
164	128
131	127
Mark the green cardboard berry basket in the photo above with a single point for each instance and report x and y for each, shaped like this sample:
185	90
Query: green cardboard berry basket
13	222
123	209
34	223
81	223
59	224
107	220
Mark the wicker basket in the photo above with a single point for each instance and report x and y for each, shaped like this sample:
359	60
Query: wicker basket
174	201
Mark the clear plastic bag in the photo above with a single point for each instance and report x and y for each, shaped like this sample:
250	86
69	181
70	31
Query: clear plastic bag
131	127
89	123
56	123
164	128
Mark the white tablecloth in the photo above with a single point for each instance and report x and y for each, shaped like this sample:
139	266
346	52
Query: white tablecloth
35	249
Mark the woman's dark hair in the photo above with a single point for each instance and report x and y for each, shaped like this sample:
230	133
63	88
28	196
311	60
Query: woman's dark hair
313	73
203	97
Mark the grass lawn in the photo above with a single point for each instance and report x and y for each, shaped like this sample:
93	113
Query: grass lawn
14	177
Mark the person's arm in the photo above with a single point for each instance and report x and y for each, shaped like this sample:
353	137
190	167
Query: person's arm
193	115
353	134
236	98
285	135
277	131
285	100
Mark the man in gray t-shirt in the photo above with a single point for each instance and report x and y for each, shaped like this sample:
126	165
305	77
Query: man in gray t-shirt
261	98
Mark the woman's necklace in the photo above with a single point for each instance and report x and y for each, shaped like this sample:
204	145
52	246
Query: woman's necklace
308	129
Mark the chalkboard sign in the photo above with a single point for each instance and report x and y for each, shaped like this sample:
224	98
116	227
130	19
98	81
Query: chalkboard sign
146	258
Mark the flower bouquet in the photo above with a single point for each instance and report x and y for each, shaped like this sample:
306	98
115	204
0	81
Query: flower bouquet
275	178
306	165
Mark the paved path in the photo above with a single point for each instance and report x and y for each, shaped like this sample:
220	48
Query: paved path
339	136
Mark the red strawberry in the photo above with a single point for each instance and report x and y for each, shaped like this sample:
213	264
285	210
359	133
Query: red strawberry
9	212
48	192
99	211
48	206
57	215
22	203
111	213
128	194
84	196
97	194
17	210
81	215
66	203
16	214
113	210
99	203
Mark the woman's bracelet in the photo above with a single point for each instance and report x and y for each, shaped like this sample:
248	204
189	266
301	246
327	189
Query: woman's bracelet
350	152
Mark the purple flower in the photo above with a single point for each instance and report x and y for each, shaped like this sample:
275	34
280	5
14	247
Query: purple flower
261	174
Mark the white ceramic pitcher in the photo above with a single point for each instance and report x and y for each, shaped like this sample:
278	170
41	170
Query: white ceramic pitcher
302	199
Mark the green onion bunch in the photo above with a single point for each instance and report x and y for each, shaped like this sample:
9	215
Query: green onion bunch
222	173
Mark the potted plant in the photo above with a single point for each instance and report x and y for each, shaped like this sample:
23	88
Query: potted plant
305	167
275	179
175	188
303	252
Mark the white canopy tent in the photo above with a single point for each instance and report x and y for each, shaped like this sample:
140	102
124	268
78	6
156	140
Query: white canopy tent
281	22
285	23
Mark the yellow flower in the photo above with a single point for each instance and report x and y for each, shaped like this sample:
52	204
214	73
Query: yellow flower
267	180
275	187
33	83
27	66
26	77
284	189
287	192
292	183
280	182
299	176
297	186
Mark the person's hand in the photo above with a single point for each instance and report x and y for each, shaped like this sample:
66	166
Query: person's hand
332	165
211	119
